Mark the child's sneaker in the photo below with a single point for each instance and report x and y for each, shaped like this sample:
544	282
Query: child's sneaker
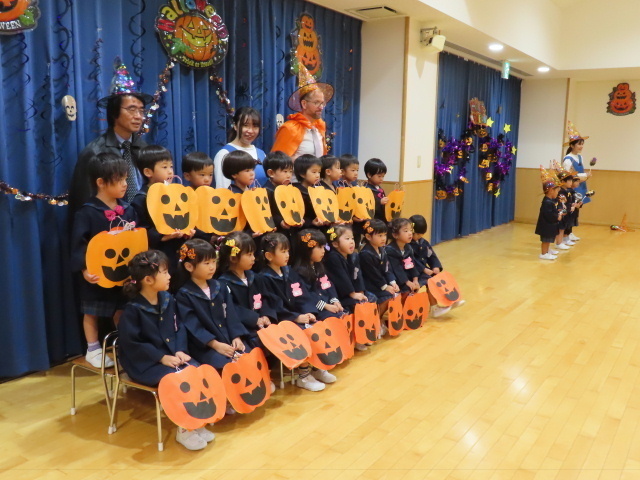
95	359
567	241
438	311
205	434
573	237
458	304
548	256
383	330
361	347
190	439
553	252
310	383
230	410
562	246
323	376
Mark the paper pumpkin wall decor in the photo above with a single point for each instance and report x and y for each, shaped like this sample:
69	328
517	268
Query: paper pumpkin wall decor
395	320
193	397
366	322
346	204
247	381
256	207
393	208
325	204
622	101
290	203
306	46
219	210
444	289
287	342
172	207
329	341
108	254
365	207
416	310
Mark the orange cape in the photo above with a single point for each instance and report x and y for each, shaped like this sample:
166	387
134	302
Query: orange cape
289	136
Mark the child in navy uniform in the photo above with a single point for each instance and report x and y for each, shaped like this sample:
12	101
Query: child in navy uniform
422	250
279	169
548	218
105	210
307	169
197	169
375	170
331	172
239	167
350	166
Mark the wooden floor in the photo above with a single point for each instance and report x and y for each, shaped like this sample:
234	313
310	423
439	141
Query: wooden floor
535	378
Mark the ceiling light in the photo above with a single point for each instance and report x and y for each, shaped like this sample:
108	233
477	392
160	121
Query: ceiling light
496	47
543	69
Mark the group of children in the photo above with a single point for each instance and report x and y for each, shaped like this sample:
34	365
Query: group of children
201	299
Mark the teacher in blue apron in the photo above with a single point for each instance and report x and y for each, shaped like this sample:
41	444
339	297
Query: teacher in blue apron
573	162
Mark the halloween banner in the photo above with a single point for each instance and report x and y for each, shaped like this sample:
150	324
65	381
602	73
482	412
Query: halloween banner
444	289
306	47
247	381
18	16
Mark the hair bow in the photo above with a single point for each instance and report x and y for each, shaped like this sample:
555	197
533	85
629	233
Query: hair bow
187	252
367	227
413	226
306	238
332	234
234	249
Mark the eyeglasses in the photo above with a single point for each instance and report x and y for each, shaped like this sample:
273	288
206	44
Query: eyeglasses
317	103
134	110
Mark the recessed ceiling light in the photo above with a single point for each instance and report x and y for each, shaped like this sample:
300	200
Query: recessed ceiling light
496	47
543	69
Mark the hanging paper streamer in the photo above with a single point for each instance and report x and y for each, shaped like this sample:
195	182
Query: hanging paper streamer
163	80
306	47
25	196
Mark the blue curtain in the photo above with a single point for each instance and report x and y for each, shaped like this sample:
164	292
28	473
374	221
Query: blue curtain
459	81
72	52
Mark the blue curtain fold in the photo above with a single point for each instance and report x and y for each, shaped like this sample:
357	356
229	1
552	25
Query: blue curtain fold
459	81
72	52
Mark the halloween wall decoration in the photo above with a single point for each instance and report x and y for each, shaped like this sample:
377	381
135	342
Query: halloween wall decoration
192	33
18	15
346	204
622	101
365	207
279	120
393	208
290	203
70	108
444	288
325	204
247	381
108	254
193	397
416	310
172	207
366	322
219	210
306	47
286	341
395	320
329	341
24	196
256	207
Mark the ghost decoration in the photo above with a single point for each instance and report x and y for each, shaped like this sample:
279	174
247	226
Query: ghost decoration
279	120
70	109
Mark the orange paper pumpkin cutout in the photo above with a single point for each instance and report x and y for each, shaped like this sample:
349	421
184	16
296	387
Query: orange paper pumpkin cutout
444	289
346	204
395	320
329	341
416	310
108	254
247	381
347	321
256	207
365	207
366	322
325	204
172	207
286	341
393	208
219	211
290	203
193	397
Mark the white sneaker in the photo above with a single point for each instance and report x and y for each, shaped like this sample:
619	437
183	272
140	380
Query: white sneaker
190	439
361	347
459	303
573	237
548	256
310	383
95	359
552	251
230	410
438	311
273	387
323	376
562	246
383	330
205	434
568	241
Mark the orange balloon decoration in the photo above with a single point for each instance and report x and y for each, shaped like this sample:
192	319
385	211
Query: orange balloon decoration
395	320
365	207
286	341
172	207
108	254
193	397
247	381
346	204
444	289
219	210
393	208
291	204
325	204
329	341
366	322
416	310
256	207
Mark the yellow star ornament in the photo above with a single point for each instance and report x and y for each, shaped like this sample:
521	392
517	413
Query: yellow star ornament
513	150
507	128
490	122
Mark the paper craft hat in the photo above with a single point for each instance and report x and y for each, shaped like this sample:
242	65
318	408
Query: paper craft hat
306	84
573	134
122	84
561	172
549	179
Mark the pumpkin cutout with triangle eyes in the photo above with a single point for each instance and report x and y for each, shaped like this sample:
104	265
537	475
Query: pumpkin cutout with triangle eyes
286	341
393	208
347	321
219	211
622	101
256	207
395	320
198	35
416	310
365	207
329	340
291	204
444	289
193	397
366	322
325	204
346	204
108	254
172	207
247	381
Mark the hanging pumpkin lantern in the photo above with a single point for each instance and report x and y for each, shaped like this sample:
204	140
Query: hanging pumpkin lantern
325	204
365	208
346	204
393	208
219	211
416	310
329	340
193	397
108	254
291	204
444	288
256	207
247	381
172	207
395	321
286	341
366	322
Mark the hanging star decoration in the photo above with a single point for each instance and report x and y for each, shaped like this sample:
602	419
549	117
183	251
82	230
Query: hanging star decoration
490	122
513	150
507	128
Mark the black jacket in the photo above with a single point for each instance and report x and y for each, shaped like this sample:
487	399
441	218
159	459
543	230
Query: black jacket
376	270
424	254
403	263
252	301
345	275
289	291
378	195
547	225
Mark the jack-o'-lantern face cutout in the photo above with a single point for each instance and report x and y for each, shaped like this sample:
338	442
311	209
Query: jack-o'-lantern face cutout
444	288
307	23
393	208
172	207
219	210
256	207
416	310
290	203
108	254
247	381
366	322
307	50
622	101
346	204
329	341
365	207
198	35
12	9
193	397
286	341
325	204
395	321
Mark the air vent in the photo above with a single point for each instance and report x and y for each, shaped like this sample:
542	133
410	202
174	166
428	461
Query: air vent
372	13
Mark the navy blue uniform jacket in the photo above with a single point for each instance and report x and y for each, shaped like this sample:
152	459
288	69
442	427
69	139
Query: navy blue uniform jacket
400	262
376	270
345	274
425	255
321	291
378	195
289	292
251	301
